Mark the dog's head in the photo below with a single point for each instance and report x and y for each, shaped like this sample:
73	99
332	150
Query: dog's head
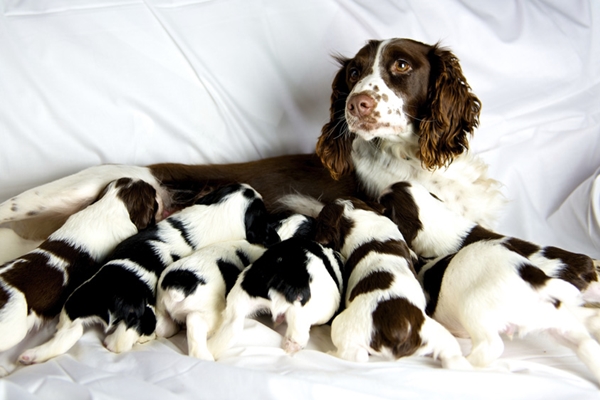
337	220
399	90
139	197
256	217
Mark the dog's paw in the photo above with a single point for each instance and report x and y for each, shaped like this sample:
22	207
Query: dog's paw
28	357
459	363
291	347
120	341
201	353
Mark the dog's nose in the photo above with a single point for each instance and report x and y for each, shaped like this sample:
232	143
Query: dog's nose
361	105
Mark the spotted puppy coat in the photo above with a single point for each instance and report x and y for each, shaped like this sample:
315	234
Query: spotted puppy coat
298	280
484	284
34	287
121	295
384	304
192	291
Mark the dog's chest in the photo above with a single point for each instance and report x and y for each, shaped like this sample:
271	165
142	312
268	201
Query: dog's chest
463	186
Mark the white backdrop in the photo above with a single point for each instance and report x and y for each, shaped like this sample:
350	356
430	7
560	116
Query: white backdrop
84	82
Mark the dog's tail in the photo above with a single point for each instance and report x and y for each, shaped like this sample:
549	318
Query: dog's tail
302	204
13	316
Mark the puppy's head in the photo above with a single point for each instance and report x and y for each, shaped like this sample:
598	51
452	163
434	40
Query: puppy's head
140	199
400	206
258	228
333	225
290	225
256	218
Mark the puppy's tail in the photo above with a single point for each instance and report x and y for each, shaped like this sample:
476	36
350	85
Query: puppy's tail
302	204
13	316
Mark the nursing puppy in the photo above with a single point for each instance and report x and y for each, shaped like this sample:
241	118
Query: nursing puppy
192	290
490	284
296	279
432	230
487	289
34	287
121	295
384	304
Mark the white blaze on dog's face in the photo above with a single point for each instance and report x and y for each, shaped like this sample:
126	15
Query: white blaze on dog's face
387	81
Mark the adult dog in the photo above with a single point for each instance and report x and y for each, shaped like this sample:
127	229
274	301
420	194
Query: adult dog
400	110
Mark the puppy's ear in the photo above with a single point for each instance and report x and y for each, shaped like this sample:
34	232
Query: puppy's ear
400	207
451	111
140	199
335	143
258	228
331	226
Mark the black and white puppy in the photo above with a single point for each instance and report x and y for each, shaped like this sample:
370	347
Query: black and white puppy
485	284
34	287
121	295
384	304
192	290
297	279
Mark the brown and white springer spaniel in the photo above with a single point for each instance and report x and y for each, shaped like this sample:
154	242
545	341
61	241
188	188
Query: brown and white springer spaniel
400	110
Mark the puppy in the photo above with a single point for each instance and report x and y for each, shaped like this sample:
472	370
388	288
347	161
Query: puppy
296	279
490	284
121	295
34	287
432	230
384	303
193	290
487	289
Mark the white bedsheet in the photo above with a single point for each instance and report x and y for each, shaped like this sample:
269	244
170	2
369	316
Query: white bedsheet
84	82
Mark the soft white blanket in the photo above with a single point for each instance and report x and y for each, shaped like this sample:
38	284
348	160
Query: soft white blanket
84	82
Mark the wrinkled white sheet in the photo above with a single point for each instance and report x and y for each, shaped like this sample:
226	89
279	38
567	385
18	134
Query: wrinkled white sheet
84	82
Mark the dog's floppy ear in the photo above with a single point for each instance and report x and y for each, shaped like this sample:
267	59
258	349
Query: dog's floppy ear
335	143
140	199
332	227
400	207
258	228
451	111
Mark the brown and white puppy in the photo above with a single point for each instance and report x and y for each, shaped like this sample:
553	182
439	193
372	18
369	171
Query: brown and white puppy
384	304
482	284
400	110
34	287
433	230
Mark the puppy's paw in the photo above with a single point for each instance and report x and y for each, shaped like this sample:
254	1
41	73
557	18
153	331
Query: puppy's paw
459	363
201	353
28	357
118	342
291	347
146	338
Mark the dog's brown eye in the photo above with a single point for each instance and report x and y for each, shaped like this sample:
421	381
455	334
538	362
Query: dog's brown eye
402	66
353	74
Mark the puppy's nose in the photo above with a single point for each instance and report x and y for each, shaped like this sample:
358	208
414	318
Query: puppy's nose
361	105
